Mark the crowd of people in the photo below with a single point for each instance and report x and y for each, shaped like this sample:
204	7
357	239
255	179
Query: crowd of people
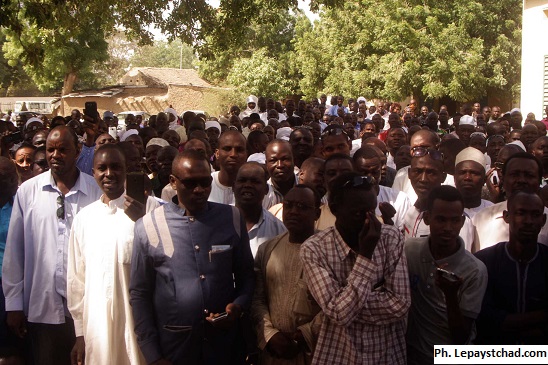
283	233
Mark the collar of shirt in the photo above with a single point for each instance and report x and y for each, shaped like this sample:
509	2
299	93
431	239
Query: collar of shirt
48	182
426	254
342	248
259	222
113	205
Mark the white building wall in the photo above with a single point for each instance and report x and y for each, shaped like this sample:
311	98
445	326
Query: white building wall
534	49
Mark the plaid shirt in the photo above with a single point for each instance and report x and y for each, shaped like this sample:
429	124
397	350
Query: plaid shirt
365	302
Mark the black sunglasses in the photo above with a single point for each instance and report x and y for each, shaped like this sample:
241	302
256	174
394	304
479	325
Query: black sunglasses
287	204
358	181
423	151
61	209
191	184
334	132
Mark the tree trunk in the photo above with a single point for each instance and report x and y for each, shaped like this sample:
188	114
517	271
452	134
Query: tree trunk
68	84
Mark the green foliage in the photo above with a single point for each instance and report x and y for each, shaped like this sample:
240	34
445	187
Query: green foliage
164	54
263	61
394	48
259	75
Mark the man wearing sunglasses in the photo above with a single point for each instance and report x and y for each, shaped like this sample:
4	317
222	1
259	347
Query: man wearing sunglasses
425	139
335	141
34	273
426	173
357	274
191	263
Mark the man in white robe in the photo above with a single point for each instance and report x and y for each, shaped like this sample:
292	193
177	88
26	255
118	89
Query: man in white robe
99	260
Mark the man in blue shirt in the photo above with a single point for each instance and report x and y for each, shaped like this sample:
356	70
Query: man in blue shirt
334	108
8	188
34	271
191	263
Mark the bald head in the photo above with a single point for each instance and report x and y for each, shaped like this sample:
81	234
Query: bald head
424	138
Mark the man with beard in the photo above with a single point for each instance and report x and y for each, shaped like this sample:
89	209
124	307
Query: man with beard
286	320
470	178
250	189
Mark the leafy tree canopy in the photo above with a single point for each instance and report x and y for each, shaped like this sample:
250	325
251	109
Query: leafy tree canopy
392	49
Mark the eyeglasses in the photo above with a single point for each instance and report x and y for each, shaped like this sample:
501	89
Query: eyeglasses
34	128
288	205
423	151
358	181
334	132
61	209
191	184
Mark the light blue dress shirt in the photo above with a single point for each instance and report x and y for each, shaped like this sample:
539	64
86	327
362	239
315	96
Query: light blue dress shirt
5	214
34	272
84	162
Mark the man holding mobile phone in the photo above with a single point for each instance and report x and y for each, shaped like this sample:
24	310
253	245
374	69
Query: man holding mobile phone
447	281
99	304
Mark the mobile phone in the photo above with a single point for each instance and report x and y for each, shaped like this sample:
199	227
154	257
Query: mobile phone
14	137
135	186
495	178
90	110
451	276
220	317
113	133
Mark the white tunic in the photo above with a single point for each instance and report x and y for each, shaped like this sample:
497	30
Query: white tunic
99	261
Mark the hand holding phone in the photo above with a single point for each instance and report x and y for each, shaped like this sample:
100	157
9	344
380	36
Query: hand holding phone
447	281
90	109
135	186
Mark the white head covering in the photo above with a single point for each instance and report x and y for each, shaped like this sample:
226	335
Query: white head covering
128	133
252	99
32	120
470	154
213	124
283	133
515	110
157	142
519	144
467	120
257	157
362	99
171	111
